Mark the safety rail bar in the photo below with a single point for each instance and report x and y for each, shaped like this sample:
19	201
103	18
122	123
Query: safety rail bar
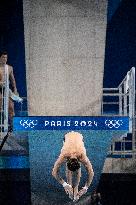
124	98
4	100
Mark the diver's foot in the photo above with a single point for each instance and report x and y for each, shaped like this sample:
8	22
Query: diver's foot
76	197
71	196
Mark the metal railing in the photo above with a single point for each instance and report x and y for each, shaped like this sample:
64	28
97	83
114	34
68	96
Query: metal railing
121	101
4	101
4	104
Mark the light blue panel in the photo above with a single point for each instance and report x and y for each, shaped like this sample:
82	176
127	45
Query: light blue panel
44	149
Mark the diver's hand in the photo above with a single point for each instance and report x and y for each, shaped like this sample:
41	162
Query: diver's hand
76	198
68	189
16	93
82	191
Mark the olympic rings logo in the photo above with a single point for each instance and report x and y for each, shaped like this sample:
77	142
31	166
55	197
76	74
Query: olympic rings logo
113	123
28	123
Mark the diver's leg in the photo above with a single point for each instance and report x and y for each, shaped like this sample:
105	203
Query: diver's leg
78	176
69	180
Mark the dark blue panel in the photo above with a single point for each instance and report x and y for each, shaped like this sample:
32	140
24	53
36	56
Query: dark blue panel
128	146
12	39
120	53
118	146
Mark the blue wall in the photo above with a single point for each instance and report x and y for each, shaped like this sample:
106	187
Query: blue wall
120	54
12	39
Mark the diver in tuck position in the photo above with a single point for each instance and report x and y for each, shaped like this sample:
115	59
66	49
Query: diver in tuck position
73	153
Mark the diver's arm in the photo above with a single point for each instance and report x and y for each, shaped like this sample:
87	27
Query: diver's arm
58	163
87	164
55	171
85	161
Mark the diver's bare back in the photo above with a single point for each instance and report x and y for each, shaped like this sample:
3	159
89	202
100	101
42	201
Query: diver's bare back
73	145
